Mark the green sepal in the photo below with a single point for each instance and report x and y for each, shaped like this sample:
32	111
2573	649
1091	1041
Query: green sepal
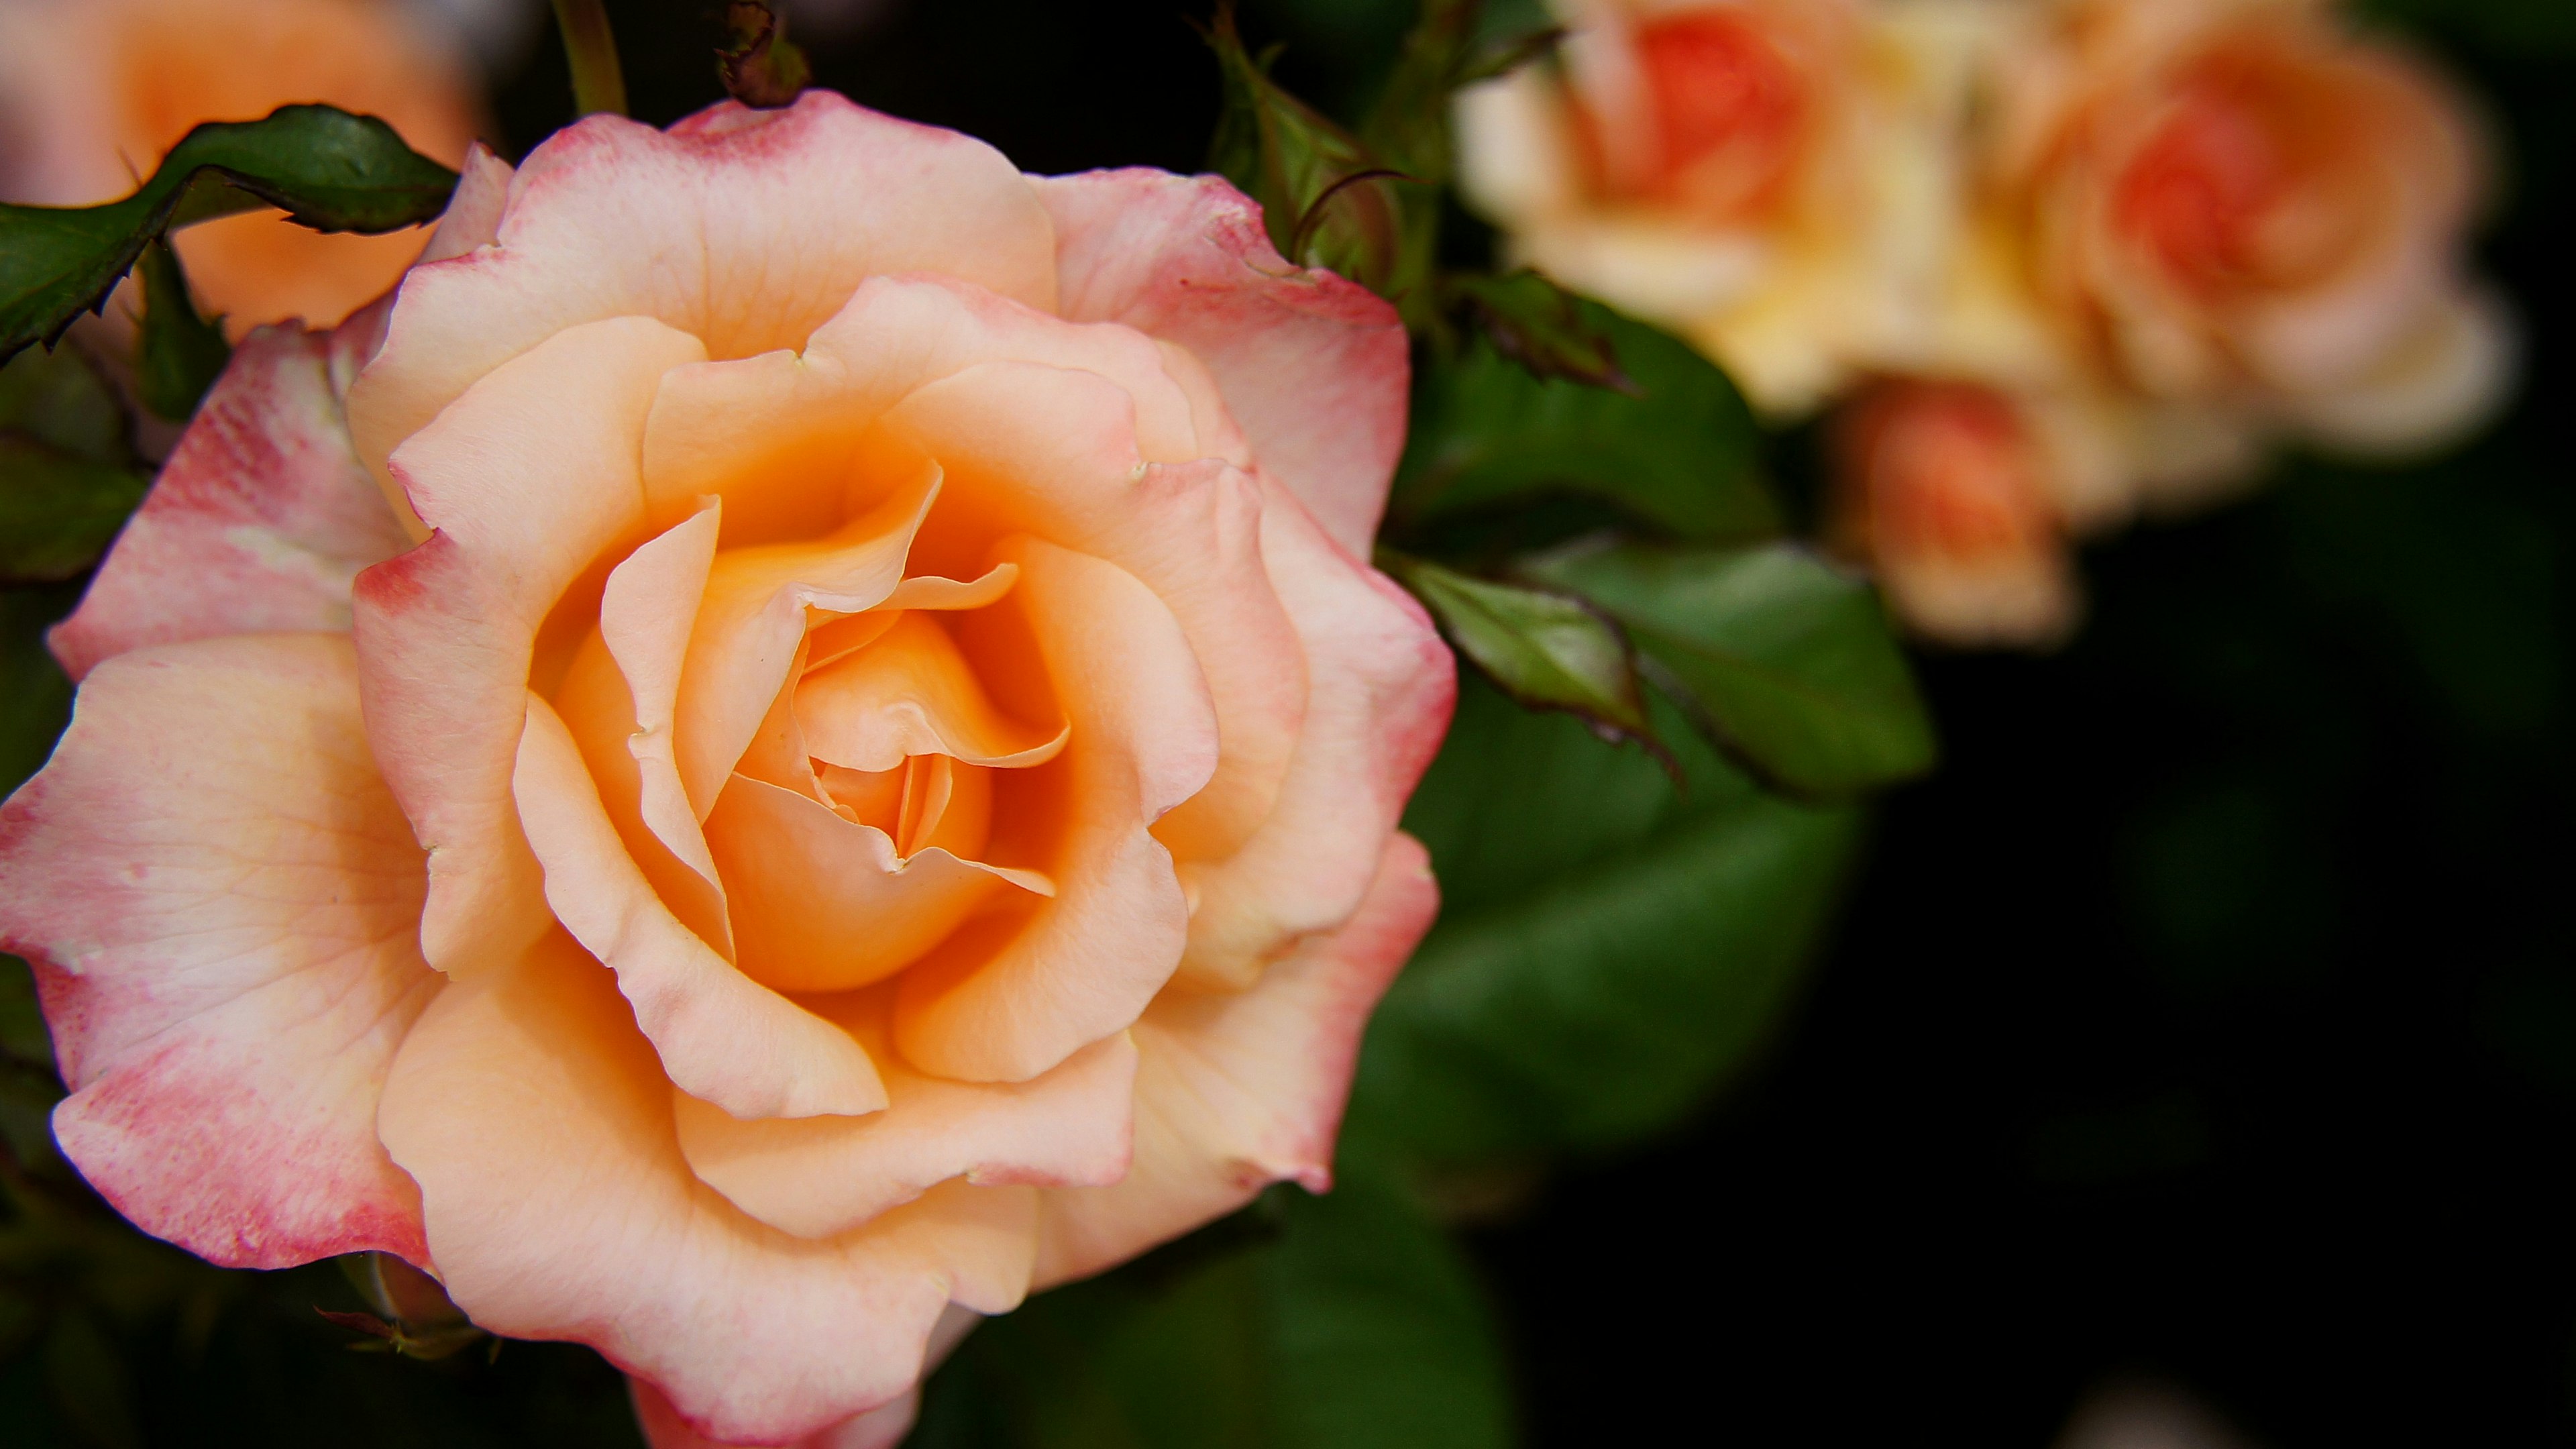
1541	326
1545	650
325	168
180	351
1783	660
761	67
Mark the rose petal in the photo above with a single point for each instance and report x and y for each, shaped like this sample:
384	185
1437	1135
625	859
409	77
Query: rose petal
1236	1092
1144	739
824	904
910	692
1313	367
263	511
220	898
747	229
823	1175
558	1206
880	1428
1382	689
721	1035
529	479
472	220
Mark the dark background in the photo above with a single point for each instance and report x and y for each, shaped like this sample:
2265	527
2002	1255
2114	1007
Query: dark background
2211	1015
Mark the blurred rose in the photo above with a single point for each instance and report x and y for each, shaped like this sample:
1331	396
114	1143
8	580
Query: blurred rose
2240	205
1947	488
1774	179
94	93
906	750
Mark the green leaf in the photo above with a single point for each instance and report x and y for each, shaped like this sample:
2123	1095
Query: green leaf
324	167
1341	1322
181	351
58	513
1679	454
58	399
1610	950
1541	326
1784	660
35	697
1546	651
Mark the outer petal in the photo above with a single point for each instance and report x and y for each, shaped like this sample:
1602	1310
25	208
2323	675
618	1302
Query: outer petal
1314	368
1235	1092
1382	689
721	1035
529	479
1143	740
221	899
817	1176
260	520
744	228
880	1428
539	1126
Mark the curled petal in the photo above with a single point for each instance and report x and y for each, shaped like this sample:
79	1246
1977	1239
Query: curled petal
817	1176
1314	368
538	1124
721	1035
1234	1092
220	898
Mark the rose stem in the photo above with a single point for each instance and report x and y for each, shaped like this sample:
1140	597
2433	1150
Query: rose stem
597	84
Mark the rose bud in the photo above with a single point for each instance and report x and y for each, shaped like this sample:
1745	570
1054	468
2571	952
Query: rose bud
2241	205
93	94
1769	178
791	742
1946	490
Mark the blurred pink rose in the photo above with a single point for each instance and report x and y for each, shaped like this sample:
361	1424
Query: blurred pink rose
1946	488
850	770
2240	204
93	94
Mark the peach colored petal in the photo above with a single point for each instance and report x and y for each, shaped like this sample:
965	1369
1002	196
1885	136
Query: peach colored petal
825	904
751	626
1382	688
818	1176
646	615
1236	1092
529	479
775	433
1144	739
1313	367
721	1035
538	1124
747	229
220	900
879	1428
473	216
910	692
260	520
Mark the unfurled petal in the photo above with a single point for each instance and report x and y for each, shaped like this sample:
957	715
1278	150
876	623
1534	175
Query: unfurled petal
721	1035
744	228
1234	1092
879	1428
260	521
1143	740
818	1176
538	1124
529	479
221	900
1313	367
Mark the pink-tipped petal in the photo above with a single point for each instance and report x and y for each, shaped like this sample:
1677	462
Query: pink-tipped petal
745	228
1382	689
1313	367
721	1035
260	520
529	479
220	897
472	220
818	1176
538	1124
1143	740
1234	1092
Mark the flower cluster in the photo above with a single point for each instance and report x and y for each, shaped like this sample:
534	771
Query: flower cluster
2054	262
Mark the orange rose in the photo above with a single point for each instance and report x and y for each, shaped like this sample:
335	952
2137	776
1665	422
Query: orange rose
2238	204
94	93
